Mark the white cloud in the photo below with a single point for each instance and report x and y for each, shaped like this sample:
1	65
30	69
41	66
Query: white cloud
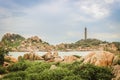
55	20
73	34
106	36
95	9
109	1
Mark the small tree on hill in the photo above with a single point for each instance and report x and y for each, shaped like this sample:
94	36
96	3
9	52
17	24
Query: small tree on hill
3	52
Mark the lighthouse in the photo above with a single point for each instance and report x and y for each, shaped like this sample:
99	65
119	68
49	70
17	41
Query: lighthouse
85	34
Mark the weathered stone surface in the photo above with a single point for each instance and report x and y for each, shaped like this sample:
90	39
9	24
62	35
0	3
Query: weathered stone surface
48	56
58	59
99	59
32	56
116	60
53	67
116	72
11	59
6	64
55	54
69	59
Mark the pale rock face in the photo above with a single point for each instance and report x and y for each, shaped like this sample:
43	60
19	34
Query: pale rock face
12	59
32	56
116	71
48	56
6	64
53	67
69	59
58	59
99	59
55	54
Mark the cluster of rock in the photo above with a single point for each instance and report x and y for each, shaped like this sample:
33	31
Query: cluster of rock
9	59
116	72
30	56
49	57
34	44
100	59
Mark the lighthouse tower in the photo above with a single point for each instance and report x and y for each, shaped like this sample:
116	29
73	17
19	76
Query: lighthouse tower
85	33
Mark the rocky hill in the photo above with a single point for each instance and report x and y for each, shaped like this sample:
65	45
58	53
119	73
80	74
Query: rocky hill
89	45
15	42
11	41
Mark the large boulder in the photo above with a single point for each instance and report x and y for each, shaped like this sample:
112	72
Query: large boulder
11	59
99	58
55	54
58	59
53	67
116	72
69	59
6	64
32	56
48	56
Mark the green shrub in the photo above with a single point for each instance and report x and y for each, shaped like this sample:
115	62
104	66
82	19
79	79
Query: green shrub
89	72
3	52
38	68
19	66
33	76
72	78
16	78
56	74
2	70
20	75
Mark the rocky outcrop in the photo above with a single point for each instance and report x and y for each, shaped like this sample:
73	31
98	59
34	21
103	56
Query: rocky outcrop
52	57
53	67
48	56
6	64
69	59
11	59
100	59
116	72
31	56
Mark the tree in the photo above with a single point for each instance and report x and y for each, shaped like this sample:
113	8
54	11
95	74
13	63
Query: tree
3	52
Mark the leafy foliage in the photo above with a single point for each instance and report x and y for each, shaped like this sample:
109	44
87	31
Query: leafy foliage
21	75
56	74
19	66
3	52
89	72
12	40
40	67
2	70
117	44
71	71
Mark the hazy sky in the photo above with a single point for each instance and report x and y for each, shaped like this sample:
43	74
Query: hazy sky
57	21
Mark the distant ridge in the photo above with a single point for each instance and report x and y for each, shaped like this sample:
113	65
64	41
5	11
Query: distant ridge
16	42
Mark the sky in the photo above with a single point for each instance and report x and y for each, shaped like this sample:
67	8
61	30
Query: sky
61	21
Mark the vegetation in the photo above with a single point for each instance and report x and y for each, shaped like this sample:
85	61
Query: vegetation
15	42
64	71
2	70
3	52
12	40
117	44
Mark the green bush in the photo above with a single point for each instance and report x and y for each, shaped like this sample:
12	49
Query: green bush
33	76
71	71
2	70
3	52
56	74
72	78
38	68
19	66
20	75
89	72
